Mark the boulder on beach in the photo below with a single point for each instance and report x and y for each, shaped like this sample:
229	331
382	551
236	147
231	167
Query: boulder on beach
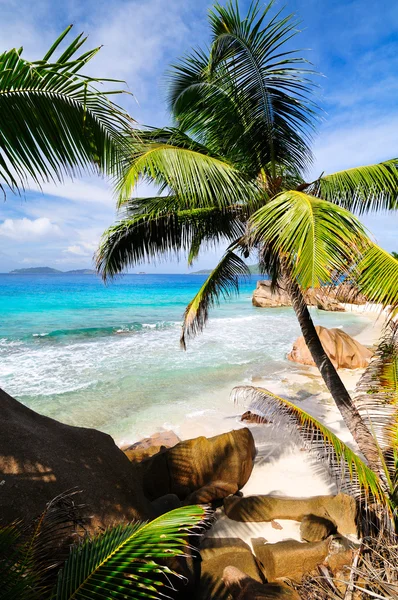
340	509
342	349
315	529
289	558
324	299
41	458
217	554
224	462
243	587
151	445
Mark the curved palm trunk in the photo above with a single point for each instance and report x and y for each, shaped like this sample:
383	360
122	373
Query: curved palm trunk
348	410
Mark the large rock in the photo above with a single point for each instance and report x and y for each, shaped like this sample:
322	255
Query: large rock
223	462
327	298
41	458
342	349
316	529
340	509
243	587
289	558
263	297
324	299
217	554
151	445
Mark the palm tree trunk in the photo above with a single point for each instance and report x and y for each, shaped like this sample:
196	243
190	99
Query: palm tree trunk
342	398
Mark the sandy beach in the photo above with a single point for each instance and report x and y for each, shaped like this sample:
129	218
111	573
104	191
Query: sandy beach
282	467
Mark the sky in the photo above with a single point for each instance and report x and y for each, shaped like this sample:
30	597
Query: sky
353	44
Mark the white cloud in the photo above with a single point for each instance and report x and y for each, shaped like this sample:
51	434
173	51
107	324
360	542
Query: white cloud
26	229
343	145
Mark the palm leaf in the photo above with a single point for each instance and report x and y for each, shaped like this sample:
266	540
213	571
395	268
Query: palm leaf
273	83
223	281
350	472
317	237
163	235
376	276
186	169
376	397
16	581
362	189
124	562
53	119
47	548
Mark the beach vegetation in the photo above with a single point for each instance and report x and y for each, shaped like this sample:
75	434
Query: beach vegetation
54	119
126	561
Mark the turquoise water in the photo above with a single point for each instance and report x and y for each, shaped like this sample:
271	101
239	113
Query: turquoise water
109	356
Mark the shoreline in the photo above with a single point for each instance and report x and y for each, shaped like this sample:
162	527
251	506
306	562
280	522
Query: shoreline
280	467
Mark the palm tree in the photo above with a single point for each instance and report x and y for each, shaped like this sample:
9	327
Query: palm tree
53	119
234	170
125	561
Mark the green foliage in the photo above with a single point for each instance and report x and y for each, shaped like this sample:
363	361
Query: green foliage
141	237
317	237
53	119
376	275
362	189
127	561
223	281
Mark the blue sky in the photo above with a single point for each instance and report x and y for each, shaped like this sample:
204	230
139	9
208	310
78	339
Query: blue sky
354	44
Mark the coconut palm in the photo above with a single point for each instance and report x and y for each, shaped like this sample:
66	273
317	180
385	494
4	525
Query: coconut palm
234	170
53	119
125	561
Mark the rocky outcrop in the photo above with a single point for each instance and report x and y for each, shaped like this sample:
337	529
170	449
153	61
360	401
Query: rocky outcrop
316	529
340	509
41	458
217	554
263	297
289	558
329	299
250	417
213	467
151	445
243	587
342	349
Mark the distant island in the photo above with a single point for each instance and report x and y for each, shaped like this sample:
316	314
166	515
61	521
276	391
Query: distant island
254	270
50	271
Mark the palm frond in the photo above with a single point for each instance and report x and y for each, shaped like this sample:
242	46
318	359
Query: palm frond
162	235
349	471
222	282
273	83
16	581
376	276
186	169
376	397
53	119
60	525
361	189
126	561
317	237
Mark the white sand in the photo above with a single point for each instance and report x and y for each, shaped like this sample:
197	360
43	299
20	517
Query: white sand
284	469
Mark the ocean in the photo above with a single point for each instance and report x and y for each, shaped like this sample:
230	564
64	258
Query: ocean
109	356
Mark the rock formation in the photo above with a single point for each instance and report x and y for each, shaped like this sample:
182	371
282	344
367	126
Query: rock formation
329	299
151	445
201	470
41	458
340	509
342	349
